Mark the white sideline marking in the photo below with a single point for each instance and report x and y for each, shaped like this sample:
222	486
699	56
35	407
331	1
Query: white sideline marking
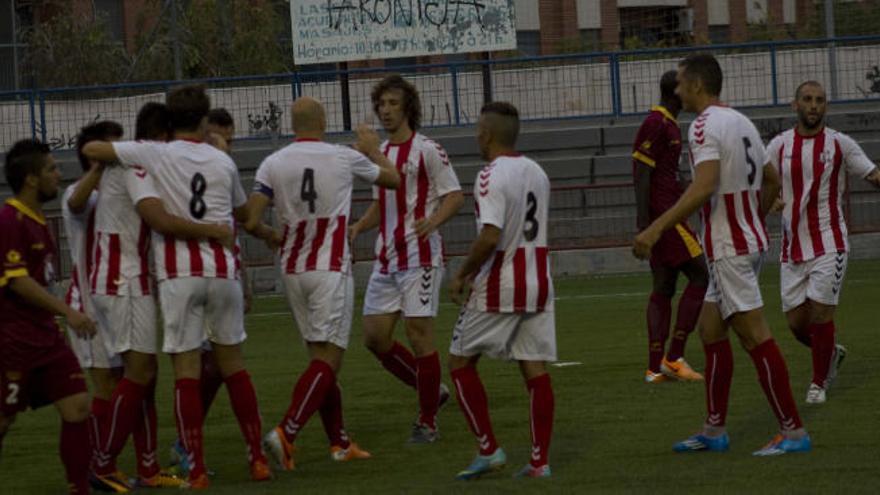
566	364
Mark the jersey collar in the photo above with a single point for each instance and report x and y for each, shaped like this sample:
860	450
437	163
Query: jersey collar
25	210
814	136
666	113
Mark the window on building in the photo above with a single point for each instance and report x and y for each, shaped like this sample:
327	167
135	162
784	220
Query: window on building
528	42
112	13
591	40
652	26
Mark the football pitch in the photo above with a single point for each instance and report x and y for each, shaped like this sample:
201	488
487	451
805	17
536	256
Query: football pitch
613	433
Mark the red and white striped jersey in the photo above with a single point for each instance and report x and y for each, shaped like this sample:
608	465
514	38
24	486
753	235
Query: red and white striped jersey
813	170
732	223
513	194
425	177
120	260
80	231
310	182
196	182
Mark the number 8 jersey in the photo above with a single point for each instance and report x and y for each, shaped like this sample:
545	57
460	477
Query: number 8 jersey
732	223
513	194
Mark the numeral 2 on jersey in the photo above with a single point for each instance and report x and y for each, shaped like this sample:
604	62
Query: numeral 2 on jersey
530	229
307	191
753	169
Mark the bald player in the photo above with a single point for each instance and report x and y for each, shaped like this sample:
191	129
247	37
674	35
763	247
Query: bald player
310	182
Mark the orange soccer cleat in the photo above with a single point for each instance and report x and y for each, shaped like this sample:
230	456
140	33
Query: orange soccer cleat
679	370
352	452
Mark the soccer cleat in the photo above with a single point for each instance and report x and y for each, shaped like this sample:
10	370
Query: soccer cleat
339	454
202	482
530	471
277	446
483	464
444	396
260	471
178	456
702	443
162	480
815	394
836	361
679	370
780	445
423	434
113	483
651	377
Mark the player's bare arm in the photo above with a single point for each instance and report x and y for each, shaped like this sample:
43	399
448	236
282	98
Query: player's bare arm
37	295
643	195
449	206
369	221
250	216
157	217
483	247
89	181
101	151
771	186
705	183
368	144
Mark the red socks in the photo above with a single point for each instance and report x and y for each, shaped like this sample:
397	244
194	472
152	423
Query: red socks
331	417
100	409
773	375
428	376
125	409
475	406
308	395
719	372
144	434
659	313
401	363
244	403
689	305
822	347
75	454
541	415
188	413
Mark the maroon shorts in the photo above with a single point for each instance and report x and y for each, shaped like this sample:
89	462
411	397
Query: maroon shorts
675	247
35	377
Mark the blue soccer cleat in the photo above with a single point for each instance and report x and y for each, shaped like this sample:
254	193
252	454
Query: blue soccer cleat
178	456
780	445
530	471
483	464
701	443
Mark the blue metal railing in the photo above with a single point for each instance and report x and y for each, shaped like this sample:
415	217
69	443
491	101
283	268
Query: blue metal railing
570	86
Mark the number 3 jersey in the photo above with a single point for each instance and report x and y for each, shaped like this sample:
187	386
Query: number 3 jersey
513	194
310	183
196	182
732	223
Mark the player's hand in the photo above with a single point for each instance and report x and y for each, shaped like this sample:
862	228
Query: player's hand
274	240
643	243
777	206
224	234
424	227
81	324
456	289
367	140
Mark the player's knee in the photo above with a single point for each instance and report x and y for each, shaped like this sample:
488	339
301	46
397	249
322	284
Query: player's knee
76	409
664	286
377	342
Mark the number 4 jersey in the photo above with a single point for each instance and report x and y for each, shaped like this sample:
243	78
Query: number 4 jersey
196	182
513	194
732	223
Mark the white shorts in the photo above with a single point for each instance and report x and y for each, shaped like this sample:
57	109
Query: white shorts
127	323
322	303
733	284
818	279
517	336
414	292
92	353
196	308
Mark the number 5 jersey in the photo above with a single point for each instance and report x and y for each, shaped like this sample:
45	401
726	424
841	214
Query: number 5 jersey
513	194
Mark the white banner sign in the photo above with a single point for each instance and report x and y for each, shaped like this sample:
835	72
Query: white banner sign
346	30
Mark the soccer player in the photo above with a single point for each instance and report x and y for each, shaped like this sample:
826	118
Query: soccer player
735	190
310	182
509	312
813	161
37	367
78	214
656	153
408	270
221	129
127	208
197	279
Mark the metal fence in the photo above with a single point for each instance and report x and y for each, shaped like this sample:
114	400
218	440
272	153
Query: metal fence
601	84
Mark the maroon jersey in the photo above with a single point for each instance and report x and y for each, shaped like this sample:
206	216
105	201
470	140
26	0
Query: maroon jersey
26	248
658	145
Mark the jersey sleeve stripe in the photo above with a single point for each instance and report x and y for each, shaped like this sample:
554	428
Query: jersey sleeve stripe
813	201
833	205
638	155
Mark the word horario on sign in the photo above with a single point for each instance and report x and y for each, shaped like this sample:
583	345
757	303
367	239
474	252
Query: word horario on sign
346	30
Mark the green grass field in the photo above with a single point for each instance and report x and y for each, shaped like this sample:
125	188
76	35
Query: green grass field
613	433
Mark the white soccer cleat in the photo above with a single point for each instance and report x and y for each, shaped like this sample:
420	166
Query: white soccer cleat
815	394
